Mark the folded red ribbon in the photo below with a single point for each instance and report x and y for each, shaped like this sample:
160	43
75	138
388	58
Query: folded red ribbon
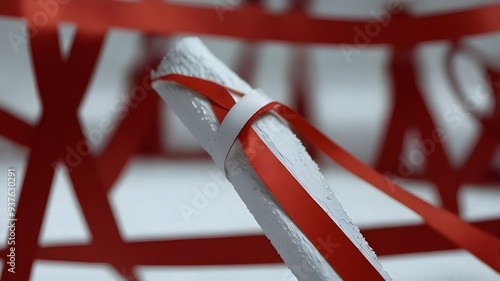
347	260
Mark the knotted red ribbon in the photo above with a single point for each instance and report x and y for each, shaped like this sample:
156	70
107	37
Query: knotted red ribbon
347	260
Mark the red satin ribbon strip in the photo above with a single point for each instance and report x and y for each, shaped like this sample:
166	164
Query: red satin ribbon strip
301	207
96	16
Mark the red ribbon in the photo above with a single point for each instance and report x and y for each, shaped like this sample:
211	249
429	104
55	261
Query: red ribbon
96	16
347	260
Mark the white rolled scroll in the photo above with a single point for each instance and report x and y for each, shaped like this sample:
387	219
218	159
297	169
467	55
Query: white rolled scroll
190	57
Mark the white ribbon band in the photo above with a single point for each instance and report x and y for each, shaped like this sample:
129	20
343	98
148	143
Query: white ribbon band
234	121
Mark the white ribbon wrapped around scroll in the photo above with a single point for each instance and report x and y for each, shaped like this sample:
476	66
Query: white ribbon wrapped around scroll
234	121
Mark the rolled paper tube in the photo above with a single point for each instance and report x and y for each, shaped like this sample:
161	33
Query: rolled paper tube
191	58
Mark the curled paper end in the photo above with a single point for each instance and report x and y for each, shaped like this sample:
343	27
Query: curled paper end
190	57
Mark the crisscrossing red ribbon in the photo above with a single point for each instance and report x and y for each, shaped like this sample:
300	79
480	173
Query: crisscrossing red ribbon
347	260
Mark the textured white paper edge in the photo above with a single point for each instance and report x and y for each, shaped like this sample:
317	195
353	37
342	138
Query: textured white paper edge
190	57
